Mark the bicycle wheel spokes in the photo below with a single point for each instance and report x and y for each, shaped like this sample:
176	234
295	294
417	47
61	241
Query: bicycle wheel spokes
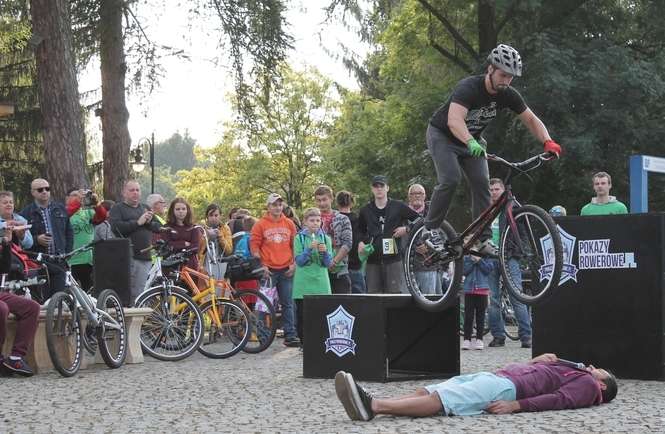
63	334
432	277
111	333
262	318
227	329
531	256
170	332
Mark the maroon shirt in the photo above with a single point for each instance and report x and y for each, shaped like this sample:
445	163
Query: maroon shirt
183	234
552	386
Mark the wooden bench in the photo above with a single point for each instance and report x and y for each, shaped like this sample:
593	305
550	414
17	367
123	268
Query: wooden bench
40	361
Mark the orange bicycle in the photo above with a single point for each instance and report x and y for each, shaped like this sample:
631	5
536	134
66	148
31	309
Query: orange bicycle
260	310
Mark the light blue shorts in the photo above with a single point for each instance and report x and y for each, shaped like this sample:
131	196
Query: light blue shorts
466	395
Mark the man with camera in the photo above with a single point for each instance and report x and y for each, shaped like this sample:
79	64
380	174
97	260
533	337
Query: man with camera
84	213
50	229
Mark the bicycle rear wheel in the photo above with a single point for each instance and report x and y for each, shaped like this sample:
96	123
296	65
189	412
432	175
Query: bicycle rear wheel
227	329
419	258
531	255
262	318
174	329
63	334
112	342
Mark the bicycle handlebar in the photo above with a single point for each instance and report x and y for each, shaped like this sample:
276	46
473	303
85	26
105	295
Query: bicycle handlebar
60	257
544	156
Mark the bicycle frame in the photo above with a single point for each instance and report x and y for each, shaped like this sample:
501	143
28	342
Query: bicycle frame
199	295
504	203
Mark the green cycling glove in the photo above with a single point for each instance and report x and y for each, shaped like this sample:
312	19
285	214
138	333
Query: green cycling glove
476	149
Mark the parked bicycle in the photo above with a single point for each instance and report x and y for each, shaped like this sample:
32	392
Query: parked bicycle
68	310
529	241
260	310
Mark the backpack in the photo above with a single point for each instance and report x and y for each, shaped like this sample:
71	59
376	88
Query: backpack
241	244
22	266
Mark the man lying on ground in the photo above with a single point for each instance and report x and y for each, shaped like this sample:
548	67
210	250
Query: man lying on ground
544	383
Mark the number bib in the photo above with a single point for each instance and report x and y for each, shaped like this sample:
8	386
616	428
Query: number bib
389	246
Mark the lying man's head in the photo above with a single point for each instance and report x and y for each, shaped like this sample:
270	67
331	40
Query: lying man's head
607	381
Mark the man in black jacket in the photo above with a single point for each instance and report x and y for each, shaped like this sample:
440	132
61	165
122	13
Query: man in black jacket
50	229
382	222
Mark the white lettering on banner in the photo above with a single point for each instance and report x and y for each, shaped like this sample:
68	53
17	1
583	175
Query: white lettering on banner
595	255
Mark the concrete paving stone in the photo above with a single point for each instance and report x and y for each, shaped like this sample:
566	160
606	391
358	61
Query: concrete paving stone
266	393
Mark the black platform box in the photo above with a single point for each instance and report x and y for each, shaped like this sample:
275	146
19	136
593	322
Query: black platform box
611	313
379	337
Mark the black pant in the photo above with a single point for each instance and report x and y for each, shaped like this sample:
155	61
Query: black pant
474	305
449	161
340	284
299	320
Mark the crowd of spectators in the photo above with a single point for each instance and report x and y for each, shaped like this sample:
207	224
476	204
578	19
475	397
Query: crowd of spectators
332	251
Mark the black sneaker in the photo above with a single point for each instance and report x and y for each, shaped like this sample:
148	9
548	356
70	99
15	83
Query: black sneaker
361	400
498	342
19	367
292	342
526	343
4	372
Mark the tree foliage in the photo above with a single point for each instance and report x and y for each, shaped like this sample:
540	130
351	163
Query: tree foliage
593	73
278	151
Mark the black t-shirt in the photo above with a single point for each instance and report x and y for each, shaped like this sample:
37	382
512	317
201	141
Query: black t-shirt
376	224
483	106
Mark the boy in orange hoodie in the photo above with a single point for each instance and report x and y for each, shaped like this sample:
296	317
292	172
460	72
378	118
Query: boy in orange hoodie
271	241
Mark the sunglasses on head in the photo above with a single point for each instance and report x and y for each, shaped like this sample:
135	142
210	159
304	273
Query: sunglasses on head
42	189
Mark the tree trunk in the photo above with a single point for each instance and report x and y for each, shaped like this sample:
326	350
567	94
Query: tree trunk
486	26
115	117
64	145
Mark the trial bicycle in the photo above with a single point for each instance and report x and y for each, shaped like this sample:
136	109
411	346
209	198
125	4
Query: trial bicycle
530	244
68	309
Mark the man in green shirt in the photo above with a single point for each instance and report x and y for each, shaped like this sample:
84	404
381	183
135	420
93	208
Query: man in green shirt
603	203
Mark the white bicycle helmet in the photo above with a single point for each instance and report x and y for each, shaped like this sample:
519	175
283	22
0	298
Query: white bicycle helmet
506	58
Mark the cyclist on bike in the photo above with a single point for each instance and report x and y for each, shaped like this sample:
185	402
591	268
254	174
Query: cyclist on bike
454	137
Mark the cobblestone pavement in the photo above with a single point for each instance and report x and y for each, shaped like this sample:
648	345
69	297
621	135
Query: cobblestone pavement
266	393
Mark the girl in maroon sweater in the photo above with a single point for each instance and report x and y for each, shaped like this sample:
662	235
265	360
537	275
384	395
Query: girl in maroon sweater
184	234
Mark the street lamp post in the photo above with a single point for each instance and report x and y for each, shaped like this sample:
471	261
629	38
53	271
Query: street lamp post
138	164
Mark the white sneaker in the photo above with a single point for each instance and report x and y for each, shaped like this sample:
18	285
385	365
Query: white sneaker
433	238
466	345
478	344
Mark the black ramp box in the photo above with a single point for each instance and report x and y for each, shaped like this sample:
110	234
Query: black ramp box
608	310
379	337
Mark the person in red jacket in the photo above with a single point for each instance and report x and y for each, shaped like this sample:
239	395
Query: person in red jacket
271	241
544	383
183	234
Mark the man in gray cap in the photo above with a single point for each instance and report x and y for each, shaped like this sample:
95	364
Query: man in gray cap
381	222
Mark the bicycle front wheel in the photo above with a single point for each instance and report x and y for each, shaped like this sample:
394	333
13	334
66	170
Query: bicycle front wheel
437	294
531	255
174	328
63	334
262	318
112	332
227	329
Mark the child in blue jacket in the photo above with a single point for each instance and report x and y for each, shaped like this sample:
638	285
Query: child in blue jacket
476	290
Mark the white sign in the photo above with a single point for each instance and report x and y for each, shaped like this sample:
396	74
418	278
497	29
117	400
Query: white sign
653	164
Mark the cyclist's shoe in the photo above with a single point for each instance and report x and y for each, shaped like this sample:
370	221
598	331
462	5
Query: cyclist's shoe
18	366
292	342
356	401
498	342
486	248
433	238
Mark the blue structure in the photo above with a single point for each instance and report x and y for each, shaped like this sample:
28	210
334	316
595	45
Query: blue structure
640	166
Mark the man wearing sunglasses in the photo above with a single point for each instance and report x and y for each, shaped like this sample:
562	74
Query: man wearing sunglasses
50	229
